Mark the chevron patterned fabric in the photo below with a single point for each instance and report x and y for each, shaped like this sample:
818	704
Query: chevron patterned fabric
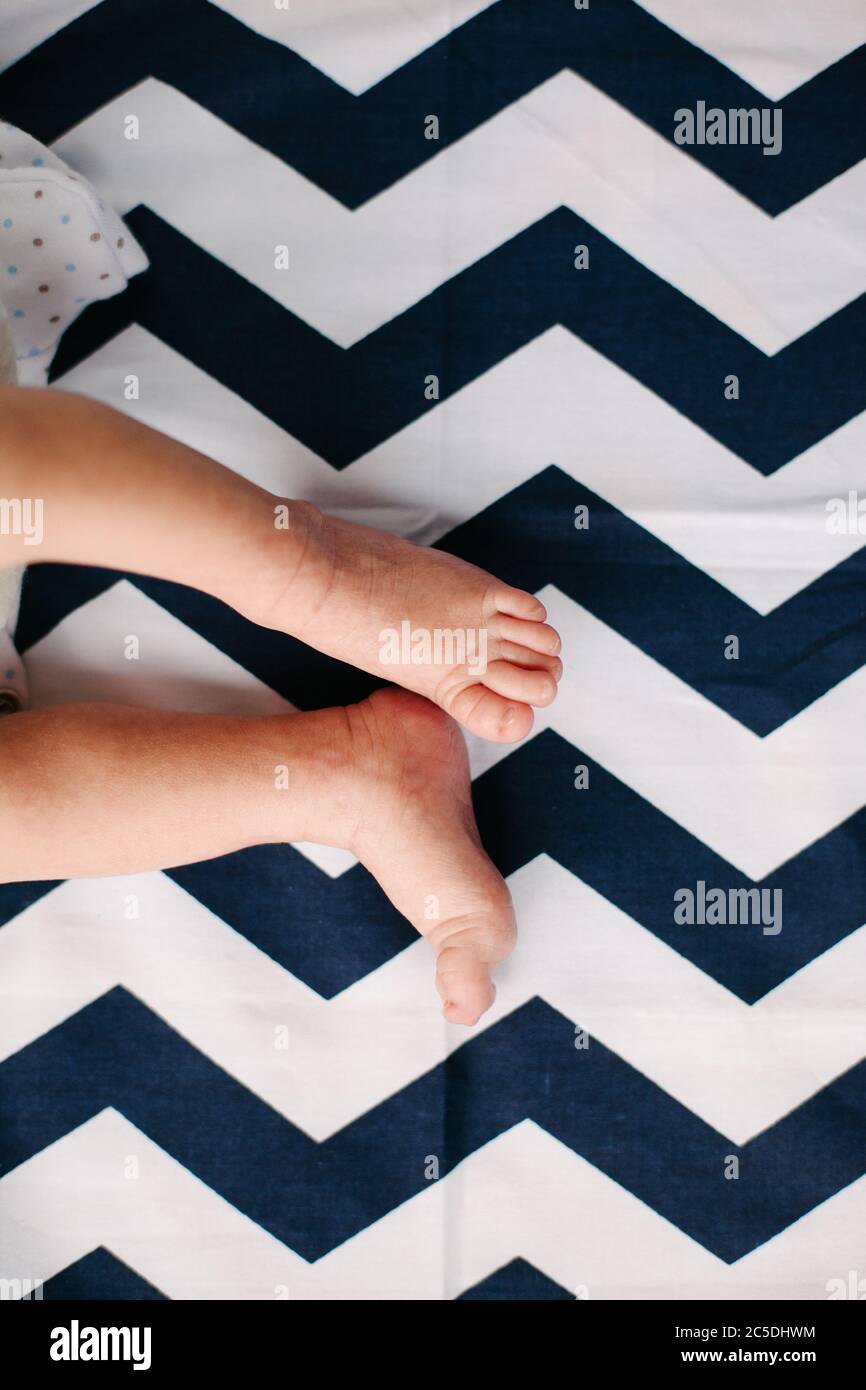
238	1090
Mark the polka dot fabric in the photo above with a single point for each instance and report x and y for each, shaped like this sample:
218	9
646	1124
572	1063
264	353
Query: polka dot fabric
61	246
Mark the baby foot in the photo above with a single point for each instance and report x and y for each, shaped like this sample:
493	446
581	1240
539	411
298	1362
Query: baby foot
403	805
418	617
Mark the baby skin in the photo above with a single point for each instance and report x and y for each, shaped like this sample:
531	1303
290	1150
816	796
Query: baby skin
108	789
348	586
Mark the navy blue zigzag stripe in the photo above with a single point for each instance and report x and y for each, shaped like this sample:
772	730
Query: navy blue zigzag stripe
618	571
101	1275
343	402
96	1276
332	932
356	146
611	838
313	1196
517	1281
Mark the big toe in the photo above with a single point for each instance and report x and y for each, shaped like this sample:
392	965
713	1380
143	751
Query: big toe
464	960
465	986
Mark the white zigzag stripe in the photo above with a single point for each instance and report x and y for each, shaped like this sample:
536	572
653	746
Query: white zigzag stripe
739	1068
522	1195
554	401
334	35
770	279
776	45
83	658
756	801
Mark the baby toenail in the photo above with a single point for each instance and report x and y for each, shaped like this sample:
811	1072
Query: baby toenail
509	715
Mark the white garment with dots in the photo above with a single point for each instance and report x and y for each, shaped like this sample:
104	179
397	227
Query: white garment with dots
61	248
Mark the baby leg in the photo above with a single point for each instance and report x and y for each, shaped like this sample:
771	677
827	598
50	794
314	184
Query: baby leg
106	789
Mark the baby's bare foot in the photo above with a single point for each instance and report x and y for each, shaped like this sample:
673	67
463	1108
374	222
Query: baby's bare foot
423	619
403	806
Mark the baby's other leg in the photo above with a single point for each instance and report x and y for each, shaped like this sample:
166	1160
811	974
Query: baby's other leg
95	789
118	494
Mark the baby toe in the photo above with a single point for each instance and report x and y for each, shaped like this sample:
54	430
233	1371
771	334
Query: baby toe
519	603
464	960
539	637
530	687
524	656
464	985
489	715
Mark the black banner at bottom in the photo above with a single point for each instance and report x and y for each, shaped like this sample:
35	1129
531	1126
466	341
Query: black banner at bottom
167	1338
